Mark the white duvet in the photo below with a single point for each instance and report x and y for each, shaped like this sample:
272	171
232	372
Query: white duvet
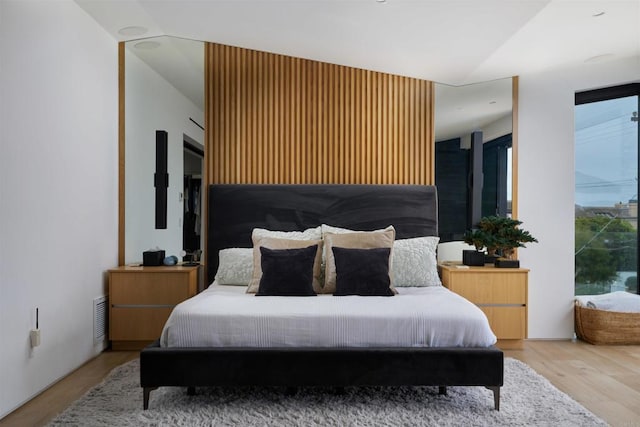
226	316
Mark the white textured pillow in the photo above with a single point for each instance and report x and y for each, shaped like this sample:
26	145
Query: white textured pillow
235	266
308	234
330	229
413	262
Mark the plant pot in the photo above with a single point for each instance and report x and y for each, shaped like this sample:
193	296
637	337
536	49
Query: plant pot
490	259
507	263
473	258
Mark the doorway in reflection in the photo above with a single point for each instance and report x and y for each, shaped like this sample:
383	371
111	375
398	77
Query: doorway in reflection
192	226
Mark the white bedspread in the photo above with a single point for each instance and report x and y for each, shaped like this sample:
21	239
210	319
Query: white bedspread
225	316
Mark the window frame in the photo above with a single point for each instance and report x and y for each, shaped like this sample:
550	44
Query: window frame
606	94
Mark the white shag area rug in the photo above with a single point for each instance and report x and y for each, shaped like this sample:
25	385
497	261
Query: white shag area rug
527	399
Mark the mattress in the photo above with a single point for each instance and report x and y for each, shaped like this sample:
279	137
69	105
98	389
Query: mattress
226	316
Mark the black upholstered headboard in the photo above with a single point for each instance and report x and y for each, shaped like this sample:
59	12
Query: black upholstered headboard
236	209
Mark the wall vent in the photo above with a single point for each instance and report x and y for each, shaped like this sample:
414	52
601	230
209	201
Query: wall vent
99	319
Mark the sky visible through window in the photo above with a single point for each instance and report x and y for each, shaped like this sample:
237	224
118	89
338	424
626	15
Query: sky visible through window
606	152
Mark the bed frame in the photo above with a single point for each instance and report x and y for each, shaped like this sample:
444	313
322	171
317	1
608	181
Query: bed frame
234	210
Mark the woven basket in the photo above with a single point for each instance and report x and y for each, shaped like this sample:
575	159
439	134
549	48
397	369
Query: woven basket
607	327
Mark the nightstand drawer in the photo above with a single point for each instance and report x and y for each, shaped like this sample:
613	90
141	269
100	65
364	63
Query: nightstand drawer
141	288
501	293
141	299
491	288
138	324
507	322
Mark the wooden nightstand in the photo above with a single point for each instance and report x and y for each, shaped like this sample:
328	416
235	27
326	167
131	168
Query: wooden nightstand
141	299
501	293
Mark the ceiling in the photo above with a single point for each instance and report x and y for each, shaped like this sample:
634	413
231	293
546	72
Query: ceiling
454	42
449	41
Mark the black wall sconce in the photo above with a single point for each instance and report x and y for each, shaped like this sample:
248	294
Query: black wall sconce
161	179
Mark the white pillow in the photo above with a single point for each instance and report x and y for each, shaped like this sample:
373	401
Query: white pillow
308	234
326	229
413	262
235	266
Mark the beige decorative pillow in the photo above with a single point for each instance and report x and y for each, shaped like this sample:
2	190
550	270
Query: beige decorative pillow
362	240
275	243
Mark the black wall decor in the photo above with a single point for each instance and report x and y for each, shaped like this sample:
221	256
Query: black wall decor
161	179
475	180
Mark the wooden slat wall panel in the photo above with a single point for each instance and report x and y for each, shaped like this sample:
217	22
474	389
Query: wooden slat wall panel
277	119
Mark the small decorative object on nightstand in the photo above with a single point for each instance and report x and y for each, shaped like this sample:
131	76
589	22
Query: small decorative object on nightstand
473	257
141	299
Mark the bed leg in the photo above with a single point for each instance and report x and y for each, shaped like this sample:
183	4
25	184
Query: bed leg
496	396
191	391
146	391
442	390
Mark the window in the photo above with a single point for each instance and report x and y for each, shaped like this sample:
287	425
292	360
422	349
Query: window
452	179
606	190
496	168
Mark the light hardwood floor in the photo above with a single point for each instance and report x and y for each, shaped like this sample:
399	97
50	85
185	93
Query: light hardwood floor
605	379
41	409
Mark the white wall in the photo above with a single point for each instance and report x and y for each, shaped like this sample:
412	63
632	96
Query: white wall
153	104
546	185
58	189
490	131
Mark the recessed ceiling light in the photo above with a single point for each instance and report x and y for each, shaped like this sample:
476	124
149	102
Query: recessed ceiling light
598	58
147	45
132	31
598	14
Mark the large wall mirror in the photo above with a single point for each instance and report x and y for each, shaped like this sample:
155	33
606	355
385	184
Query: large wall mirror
163	90
460	111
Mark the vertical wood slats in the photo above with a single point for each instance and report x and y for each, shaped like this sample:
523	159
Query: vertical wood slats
277	119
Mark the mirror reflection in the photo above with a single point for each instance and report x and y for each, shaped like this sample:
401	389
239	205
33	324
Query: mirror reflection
459	112
164	90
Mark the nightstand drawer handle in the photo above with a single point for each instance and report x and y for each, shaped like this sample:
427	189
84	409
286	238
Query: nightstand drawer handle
143	305
500	305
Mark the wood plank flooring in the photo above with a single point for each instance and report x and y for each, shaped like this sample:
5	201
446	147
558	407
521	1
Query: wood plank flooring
605	379
41	409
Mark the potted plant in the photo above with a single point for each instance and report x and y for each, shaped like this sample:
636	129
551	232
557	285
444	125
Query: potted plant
480	239
500	236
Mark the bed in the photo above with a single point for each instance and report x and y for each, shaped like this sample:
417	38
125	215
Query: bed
236	210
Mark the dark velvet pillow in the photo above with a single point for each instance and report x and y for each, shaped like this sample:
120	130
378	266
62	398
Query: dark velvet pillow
362	272
287	272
